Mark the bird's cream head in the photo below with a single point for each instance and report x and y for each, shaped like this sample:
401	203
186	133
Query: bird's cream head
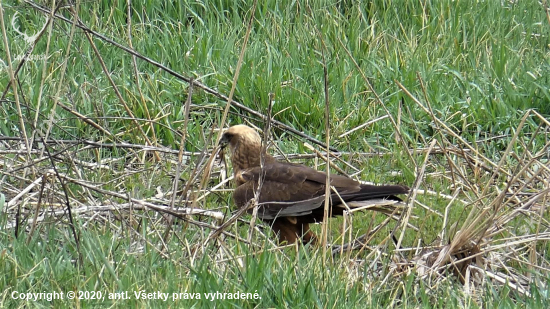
241	135
245	146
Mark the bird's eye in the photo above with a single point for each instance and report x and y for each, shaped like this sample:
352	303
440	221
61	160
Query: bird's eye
227	137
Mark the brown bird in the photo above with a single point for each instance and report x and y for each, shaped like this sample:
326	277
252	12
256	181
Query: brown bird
292	195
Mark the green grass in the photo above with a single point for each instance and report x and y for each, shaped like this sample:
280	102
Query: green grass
483	64
281	280
483	60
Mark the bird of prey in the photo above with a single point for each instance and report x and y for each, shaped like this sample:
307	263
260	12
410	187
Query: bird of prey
291	196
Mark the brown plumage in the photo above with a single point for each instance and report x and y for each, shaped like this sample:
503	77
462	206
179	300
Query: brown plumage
292	195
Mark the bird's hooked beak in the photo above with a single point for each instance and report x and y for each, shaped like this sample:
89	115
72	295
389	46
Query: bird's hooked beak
224	141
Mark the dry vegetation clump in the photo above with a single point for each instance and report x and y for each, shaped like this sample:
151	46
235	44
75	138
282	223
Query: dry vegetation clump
501	233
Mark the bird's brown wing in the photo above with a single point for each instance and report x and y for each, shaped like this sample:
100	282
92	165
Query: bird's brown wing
292	174
276	199
290	190
281	182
